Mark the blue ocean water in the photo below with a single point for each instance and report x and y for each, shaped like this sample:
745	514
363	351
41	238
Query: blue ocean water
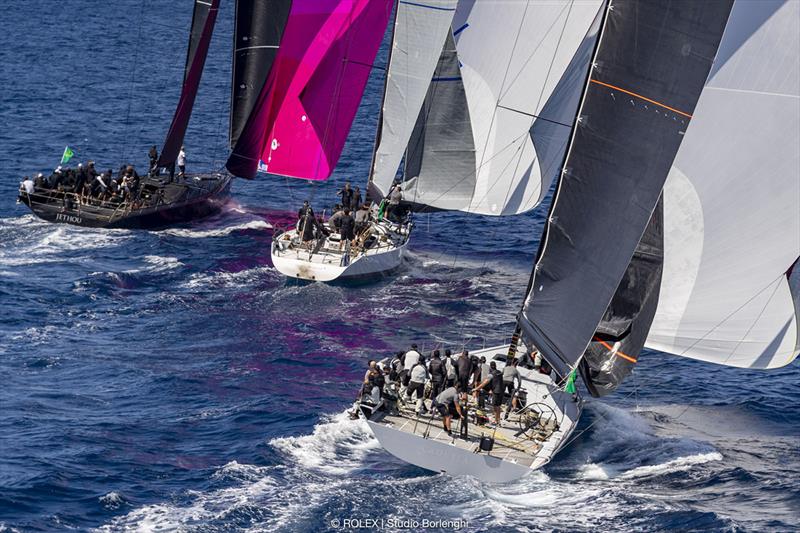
172	380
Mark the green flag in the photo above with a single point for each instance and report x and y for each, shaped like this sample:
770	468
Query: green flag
381	209
68	153
570	386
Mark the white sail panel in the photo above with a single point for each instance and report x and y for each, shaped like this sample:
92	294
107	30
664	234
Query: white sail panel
732	201
513	55
419	33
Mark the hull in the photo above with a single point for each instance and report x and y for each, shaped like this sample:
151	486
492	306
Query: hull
188	201
445	458
518	447
326	264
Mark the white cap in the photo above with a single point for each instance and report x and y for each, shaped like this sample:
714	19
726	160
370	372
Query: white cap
80	165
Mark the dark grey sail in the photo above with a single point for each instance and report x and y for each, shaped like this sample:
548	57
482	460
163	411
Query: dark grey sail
650	64
257	37
203	20
440	158
621	334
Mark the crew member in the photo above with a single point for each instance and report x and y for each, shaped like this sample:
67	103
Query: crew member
27	185
494	383
438	373
182	163
463	370
335	222
347	230
416	384
510	376
355	203
347	195
395	197
411	358
153	160
448	405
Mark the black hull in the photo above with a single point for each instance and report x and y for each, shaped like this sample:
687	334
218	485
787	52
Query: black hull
193	199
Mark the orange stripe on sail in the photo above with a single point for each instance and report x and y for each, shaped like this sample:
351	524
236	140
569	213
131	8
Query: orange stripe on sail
641	97
617	353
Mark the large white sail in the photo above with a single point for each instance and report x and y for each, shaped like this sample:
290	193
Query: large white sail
516	83
419	33
513	56
732	201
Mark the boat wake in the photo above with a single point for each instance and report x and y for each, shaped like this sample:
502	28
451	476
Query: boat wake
330	473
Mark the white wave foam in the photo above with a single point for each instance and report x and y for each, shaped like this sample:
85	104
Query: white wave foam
51	244
156	264
676	465
112	501
202	280
337	446
217	232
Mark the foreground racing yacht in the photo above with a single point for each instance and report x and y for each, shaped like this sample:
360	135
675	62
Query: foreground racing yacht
642	248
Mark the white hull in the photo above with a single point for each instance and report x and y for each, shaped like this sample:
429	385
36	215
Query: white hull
423	442
328	264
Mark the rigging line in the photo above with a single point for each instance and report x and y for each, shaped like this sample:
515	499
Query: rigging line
536	49
361	63
538	102
731	314
584	430
133	82
539	117
505	76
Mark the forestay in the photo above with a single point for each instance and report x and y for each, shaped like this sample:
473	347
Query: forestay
731	202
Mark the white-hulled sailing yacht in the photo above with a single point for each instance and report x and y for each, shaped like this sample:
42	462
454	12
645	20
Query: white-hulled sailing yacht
642	248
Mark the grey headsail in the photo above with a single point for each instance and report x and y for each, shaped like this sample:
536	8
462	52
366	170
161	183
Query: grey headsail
621	334
440	157
203	20
650	64
257	37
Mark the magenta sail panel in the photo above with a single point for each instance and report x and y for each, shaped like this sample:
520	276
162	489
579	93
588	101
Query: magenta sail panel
301	121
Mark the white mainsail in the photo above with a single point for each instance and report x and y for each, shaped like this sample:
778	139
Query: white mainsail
732	201
513	56
521	63
420	31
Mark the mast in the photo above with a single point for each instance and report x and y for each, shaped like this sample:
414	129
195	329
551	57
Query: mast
203	20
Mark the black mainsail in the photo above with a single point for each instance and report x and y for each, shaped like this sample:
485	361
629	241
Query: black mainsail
257	37
203	20
650	64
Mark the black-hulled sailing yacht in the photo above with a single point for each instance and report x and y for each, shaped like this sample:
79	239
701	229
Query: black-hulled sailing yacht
158	200
642	248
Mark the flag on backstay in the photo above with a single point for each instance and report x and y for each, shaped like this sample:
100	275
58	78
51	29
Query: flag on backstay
68	153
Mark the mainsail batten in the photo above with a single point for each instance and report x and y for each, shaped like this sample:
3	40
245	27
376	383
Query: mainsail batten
203	20
301	120
732	223
632	121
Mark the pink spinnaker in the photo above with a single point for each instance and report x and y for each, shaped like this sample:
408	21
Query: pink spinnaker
301	121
